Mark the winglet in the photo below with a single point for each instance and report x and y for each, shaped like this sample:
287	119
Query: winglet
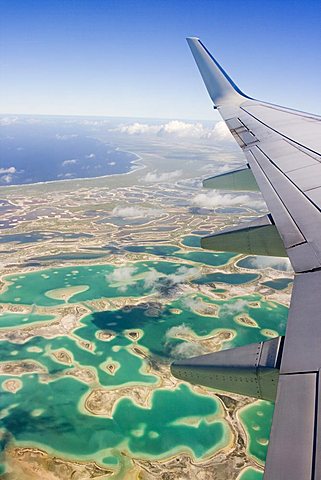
220	86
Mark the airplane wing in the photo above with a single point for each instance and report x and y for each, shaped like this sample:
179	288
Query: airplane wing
283	152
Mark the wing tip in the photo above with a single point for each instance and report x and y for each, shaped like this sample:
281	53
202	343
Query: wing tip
219	85
192	39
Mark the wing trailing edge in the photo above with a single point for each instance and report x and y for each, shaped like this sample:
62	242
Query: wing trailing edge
252	370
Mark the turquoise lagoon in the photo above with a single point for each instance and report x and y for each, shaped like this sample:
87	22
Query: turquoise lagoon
257	420
50	404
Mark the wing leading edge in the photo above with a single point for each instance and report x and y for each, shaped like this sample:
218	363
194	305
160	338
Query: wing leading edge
283	150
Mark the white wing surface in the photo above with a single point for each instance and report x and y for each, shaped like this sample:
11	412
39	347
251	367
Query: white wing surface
283	150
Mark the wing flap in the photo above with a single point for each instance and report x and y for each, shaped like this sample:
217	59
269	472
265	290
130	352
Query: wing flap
306	177
257	237
315	195
306	216
303	129
288	229
286	156
241	179
302	346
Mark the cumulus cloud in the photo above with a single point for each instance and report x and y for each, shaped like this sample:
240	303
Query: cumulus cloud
91	156
182	129
151	278
217	168
271	262
67	175
136	212
6	178
167	284
156	177
91	123
215	199
233	308
122	275
72	161
184	274
180	331
187	350
137	128
184	349
221	131
66	137
8	170
193	303
8	120
177	128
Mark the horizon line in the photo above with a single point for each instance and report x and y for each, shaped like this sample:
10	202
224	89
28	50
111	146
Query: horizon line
104	116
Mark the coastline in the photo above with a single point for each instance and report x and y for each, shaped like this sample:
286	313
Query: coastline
135	162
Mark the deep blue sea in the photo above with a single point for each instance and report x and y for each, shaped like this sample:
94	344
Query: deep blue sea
51	148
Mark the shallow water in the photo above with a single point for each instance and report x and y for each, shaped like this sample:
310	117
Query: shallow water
207	258
278	283
251	474
8	320
230	278
257	420
46	413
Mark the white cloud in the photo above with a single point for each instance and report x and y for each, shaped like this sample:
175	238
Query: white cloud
8	170
156	280
137	128
233	308
155	177
151	278
6	178
123	288
187	350
193	303
218	169
177	128
182	129
66	137
91	123
220	131
91	156
111	163
180	331
184	274
69	162
136	212
214	199
123	276
65	175
8	120
271	262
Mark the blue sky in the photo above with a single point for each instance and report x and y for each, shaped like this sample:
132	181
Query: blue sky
130	58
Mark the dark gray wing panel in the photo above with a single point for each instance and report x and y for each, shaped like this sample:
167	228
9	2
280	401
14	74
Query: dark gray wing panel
291	448
302	346
295	441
